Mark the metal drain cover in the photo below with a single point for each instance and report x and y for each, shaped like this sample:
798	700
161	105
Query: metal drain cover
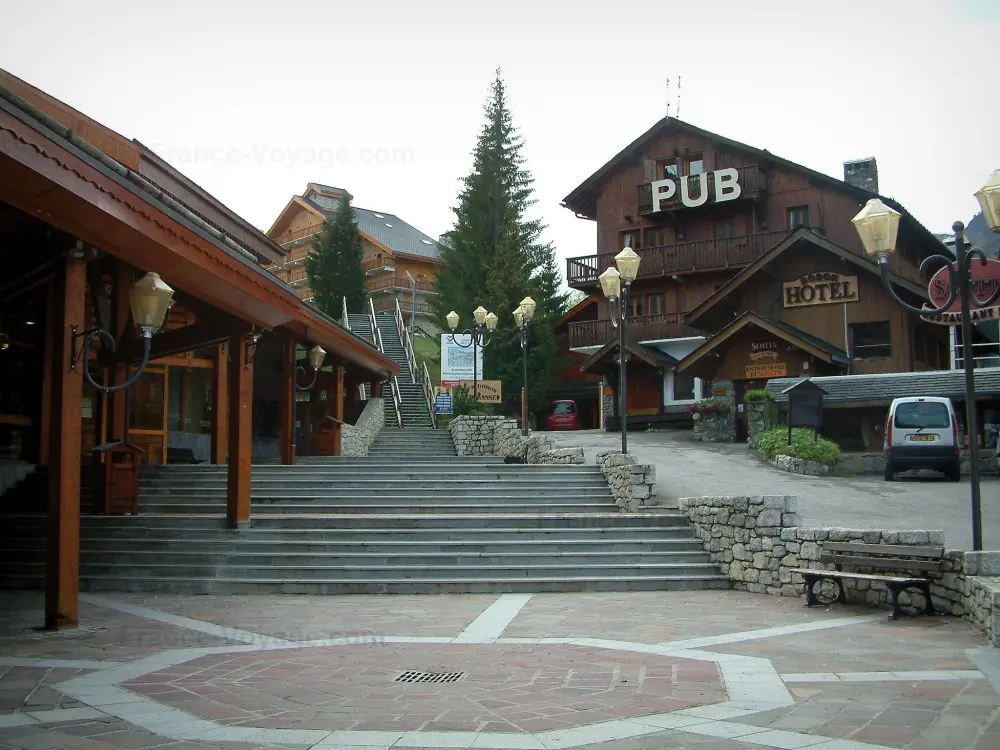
412	676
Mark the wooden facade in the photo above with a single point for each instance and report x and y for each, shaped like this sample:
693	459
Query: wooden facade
84	213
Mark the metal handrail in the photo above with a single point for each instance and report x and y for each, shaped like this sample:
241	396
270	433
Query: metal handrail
397	400
376	334
404	337
428	393
344	320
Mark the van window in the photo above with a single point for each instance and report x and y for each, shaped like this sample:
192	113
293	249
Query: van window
563	407
922	414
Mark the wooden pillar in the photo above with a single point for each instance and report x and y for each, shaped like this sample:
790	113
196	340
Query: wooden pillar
339	406
45	425
240	432
287	427
118	401
62	573
220	406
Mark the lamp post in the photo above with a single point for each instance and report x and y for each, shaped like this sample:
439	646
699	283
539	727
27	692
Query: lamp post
617	286
878	225
479	336
523	315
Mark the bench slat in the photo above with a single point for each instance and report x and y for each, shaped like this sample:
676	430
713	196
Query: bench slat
901	550
860	576
881	562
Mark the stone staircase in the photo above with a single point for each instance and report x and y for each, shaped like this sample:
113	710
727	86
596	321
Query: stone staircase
410	518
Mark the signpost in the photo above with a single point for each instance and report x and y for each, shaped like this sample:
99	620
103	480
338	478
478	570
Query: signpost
456	359
805	406
489	390
442	400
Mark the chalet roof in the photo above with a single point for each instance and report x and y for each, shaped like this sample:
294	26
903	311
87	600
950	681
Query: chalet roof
576	309
883	388
327	188
822	349
390	231
802	234
648	354
583	199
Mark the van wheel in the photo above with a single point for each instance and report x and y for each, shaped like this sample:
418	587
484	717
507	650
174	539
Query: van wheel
890	475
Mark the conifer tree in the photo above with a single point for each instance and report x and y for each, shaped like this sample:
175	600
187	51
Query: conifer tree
494	257
334	267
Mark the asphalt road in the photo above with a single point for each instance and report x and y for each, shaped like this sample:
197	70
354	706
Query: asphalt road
686	468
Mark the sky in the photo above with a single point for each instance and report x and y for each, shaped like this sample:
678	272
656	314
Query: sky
253	99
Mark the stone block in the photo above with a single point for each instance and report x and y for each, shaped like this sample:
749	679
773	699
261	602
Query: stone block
809	551
789	519
640	492
913	537
769	517
871	537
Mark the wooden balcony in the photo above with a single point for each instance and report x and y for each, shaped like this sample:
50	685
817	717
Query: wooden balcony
647	328
753	182
298	234
297	276
378	264
684	257
399	282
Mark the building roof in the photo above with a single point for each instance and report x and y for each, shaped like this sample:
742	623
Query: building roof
648	354
389	230
883	388
576	309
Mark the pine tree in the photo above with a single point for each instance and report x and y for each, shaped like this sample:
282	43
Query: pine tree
494	257
334	267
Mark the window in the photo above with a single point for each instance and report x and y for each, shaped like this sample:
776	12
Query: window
725	228
563	407
683	387
656	237
637	306
871	340
694	165
667	170
655	304
631	239
798	216
923	414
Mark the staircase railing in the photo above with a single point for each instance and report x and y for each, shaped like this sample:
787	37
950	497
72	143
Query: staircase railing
397	400
425	376
404	337
344	320
376	334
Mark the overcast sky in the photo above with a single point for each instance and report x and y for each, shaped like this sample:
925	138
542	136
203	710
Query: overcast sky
253	99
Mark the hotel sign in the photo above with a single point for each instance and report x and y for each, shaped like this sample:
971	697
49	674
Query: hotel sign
820	289
985	279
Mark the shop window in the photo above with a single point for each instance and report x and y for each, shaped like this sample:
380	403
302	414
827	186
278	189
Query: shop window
798	216
871	340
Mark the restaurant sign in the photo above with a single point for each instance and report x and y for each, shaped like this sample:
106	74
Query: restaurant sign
773	370
985	279
820	289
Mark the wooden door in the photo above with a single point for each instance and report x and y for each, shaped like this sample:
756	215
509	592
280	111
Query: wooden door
148	415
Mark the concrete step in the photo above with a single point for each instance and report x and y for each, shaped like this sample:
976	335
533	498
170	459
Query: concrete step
368	507
405	493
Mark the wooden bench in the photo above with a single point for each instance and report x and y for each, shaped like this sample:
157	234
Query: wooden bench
891	557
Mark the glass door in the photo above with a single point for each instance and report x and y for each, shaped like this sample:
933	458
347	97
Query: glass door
148	415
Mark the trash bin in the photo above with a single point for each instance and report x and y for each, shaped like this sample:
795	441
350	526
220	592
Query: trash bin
116	478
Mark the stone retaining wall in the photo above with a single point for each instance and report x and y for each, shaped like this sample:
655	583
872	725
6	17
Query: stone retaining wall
757	541
874	463
633	485
801	466
357	439
714	428
501	436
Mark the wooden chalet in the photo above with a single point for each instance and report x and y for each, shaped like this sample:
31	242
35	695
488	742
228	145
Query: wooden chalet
750	270
84	212
397	256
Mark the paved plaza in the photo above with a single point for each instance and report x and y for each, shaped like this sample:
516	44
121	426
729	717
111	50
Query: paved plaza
703	669
686	468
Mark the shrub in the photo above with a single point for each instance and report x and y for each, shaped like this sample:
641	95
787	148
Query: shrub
774	443
709	406
759	396
464	404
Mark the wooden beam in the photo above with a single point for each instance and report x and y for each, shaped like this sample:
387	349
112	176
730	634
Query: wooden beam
287	426
220	406
62	574
240	433
186	339
45	425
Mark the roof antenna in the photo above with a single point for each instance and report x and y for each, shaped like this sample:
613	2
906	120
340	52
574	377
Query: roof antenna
668	97
678	97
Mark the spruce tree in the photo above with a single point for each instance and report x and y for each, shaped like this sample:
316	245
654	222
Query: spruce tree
334	267
494	257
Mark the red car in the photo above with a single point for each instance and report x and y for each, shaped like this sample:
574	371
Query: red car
562	415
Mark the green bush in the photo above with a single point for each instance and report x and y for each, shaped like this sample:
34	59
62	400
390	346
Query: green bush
464	404
774	443
759	396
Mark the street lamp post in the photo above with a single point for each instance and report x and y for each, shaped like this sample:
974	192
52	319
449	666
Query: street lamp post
877	225
619	296
479	336
522	317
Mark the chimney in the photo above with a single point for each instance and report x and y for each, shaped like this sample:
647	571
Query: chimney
862	173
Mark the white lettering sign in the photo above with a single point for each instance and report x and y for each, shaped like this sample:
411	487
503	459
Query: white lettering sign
663	190
727	188
686	198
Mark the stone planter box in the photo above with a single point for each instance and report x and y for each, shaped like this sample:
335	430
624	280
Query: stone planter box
714	428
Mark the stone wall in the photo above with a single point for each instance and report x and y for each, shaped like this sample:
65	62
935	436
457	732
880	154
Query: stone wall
501	436
874	463
757	541
357	439
761	416
633	485
801	466
714	428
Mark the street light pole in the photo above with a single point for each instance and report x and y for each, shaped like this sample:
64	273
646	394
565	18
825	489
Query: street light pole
484	324
522	317
622	384
617	285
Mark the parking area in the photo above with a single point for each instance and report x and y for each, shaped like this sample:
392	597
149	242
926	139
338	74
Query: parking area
686	468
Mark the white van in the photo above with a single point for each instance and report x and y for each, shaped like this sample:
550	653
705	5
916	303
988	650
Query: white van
922	433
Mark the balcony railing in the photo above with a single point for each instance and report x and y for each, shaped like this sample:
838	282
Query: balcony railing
752	181
378	263
400	282
684	257
646	328
390	304
296	275
298	234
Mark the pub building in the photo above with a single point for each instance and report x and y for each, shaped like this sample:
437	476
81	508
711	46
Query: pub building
98	233
750	270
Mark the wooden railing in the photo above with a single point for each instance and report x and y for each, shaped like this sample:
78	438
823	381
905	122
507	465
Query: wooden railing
297	274
397	282
646	328
298	234
684	257
371	265
753	181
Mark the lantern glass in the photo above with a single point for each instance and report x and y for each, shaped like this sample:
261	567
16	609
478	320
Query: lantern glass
528	307
491	321
452	319
989	201
316	356
150	302
611	282
628	264
877	225
518	317
479	314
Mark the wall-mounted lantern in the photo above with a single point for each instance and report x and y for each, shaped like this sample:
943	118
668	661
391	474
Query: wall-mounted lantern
316	356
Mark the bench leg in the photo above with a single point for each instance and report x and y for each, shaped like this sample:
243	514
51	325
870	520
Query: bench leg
928	604
811	582
842	596
894	590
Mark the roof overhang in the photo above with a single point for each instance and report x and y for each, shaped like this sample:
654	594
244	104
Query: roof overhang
594	362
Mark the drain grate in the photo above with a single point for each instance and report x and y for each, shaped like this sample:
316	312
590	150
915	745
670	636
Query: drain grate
412	676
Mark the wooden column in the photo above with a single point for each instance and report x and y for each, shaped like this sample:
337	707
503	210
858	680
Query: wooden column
220	406
339	406
45	425
62	573
287	427
240	432
118	401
